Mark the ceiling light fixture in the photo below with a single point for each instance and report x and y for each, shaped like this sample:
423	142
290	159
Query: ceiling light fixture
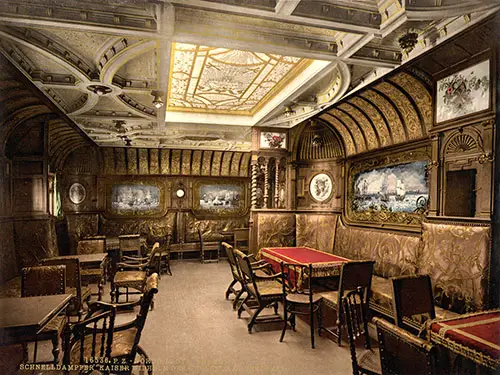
99	89
157	101
408	41
288	111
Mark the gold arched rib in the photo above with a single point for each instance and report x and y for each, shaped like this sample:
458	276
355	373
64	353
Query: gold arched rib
419	93
392	117
405	107
372	137
235	164
226	163
245	164
216	163
348	139
357	133
372	113
196	163
207	163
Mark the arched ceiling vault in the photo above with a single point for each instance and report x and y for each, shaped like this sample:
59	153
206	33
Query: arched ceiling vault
395	110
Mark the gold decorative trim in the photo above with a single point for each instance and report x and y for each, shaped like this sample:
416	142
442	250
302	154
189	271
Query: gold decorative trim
239	211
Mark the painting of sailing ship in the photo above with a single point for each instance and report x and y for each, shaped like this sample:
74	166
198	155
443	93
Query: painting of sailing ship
134	198
227	197
399	188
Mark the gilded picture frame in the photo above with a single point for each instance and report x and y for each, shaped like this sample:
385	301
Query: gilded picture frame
376	192
220	198
134	198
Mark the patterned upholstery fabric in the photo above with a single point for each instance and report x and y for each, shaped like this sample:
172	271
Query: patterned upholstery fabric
267	288
43	280
91	246
275	230
316	231
394	254
457	258
55	325
330	298
126	278
381	298
370	359
11	288
122	345
91	276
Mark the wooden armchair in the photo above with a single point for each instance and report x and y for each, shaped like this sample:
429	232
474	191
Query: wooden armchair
96	245
124	344
241	238
412	296
208	255
262	291
81	294
133	272
299	294
257	266
355	313
354	274
130	244
43	281
403	353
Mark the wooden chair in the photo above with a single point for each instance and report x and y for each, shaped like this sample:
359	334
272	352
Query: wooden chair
81	294
402	353
93	245
241	237
412	295
262	291
125	346
300	298
133	272
352	275
355	313
207	255
130	245
165	256
257	266
43	281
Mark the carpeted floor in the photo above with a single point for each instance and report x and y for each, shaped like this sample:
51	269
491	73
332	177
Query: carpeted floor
194	330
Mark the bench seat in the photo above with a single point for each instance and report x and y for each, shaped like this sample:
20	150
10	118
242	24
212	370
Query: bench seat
11	288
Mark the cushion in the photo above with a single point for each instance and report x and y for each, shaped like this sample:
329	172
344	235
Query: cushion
370	359
267	288
316	231
381	297
330	298
302	298
124	277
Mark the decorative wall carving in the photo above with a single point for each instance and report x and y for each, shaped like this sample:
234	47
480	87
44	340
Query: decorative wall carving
275	229
316	231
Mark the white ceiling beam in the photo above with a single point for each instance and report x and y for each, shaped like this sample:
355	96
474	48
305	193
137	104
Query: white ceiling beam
286	7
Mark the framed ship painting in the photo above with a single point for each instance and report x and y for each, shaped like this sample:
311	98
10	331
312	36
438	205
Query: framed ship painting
219	198
463	93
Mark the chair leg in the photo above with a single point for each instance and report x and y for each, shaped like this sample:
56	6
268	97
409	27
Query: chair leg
147	361
275	308
311	317
285	318
230	287
55	349
339	328
242	306
320	318
35	352
237	298
112	292
254	318
100	290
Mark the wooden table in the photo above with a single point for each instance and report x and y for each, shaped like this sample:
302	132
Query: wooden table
22	318
475	336
324	264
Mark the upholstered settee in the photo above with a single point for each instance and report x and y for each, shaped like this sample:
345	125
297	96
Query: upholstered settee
455	255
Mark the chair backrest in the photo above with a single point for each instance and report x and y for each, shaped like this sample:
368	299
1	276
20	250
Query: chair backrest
241	235
150	290
412	295
354	274
130	243
90	340
231	258
73	278
402	353
154	257
356	317
296	278
91	246
43	280
247	274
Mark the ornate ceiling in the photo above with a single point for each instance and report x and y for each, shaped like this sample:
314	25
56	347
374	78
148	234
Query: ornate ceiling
219	66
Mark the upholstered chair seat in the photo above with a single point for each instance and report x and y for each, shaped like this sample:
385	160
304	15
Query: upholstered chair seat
370	360
267	288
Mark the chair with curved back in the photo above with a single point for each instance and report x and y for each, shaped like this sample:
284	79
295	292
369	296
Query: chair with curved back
355	313
262	291
402	353
81	294
43	281
412	296
299	293
133	273
354	274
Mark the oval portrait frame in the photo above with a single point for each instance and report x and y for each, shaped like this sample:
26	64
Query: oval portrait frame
321	187
77	193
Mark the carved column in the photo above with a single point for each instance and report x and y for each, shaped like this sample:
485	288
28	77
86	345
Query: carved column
253	201
266	182
277	183
433	175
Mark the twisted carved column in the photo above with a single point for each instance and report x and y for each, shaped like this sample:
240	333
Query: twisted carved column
266	183
253	200
277	184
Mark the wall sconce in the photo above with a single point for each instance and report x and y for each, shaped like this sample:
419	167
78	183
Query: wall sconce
157	101
99	89
288	111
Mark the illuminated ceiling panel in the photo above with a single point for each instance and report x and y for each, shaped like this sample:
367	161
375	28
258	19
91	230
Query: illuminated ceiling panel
221	80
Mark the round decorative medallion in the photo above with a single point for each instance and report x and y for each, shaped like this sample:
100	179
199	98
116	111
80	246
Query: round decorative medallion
321	187
77	193
180	193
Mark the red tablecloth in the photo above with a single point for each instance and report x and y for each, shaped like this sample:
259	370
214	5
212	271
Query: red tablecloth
475	336
324	264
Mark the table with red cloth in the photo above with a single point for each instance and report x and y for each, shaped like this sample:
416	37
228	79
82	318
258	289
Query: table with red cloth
323	264
475	336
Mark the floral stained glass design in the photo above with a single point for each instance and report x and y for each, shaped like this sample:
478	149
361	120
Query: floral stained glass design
463	93
221	80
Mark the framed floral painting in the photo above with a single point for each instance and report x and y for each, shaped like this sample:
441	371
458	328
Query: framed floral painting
273	140
463	93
